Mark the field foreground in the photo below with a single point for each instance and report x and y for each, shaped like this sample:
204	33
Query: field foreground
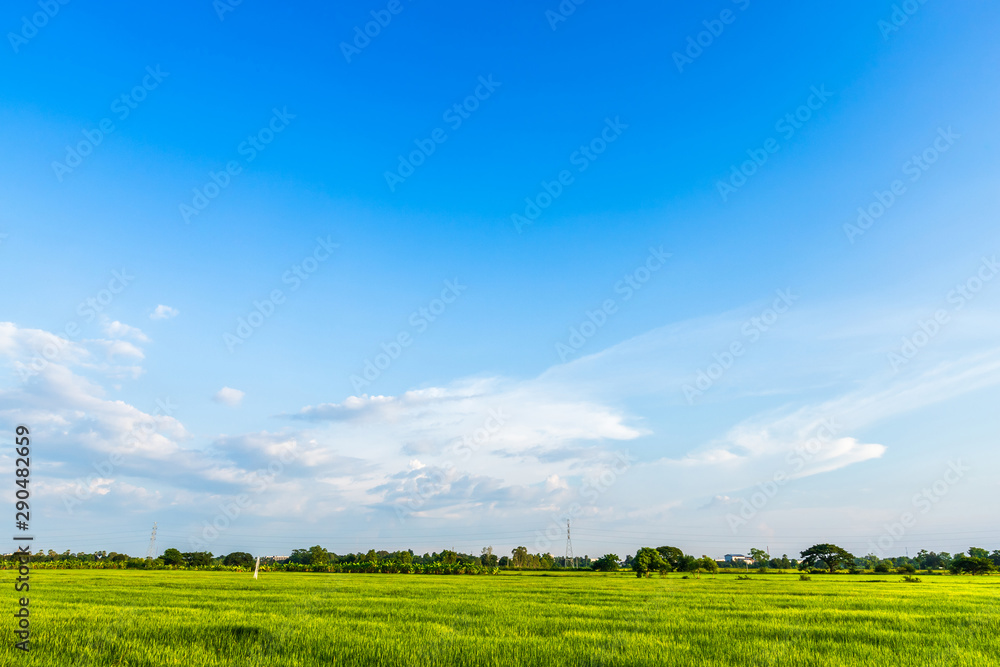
151	619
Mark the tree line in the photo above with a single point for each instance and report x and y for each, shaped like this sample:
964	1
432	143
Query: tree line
818	558
314	559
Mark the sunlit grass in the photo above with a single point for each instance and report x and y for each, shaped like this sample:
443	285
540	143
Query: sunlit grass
211	618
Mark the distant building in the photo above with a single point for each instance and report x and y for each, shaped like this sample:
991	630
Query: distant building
738	559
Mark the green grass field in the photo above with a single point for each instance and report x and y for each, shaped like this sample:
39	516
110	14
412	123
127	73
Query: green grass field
150	619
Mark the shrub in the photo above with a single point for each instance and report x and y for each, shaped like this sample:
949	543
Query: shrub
805	577
911	580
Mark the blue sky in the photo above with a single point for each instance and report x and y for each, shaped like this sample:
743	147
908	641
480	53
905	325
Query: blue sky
650	235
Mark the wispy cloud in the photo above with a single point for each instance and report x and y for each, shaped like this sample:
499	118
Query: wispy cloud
163	313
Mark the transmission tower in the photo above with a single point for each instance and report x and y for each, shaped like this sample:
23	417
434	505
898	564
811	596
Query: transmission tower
569	548
151	552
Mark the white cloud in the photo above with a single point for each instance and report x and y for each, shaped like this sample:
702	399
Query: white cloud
31	352
118	348
523	416
116	329
229	396
163	313
553	482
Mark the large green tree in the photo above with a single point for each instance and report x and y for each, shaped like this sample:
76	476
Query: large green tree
238	559
606	563
687	563
829	554
708	564
318	555
929	560
647	560
197	558
673	556
972	565
173	557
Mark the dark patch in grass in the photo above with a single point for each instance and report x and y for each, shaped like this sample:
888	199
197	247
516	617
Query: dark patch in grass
242	631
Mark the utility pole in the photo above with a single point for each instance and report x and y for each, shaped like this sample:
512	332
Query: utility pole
569	548
151	552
